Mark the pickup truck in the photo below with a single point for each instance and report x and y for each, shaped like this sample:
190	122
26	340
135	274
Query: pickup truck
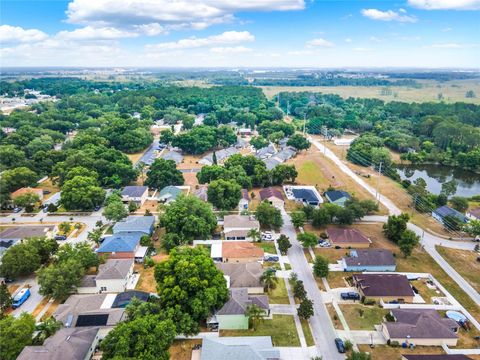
350	296
21	297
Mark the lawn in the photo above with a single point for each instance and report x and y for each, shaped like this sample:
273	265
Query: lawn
182	349
336	279
279	295
382	352
307	332
268	247
360	317
465	263
281	328
425	292
146	282
337	324
332	255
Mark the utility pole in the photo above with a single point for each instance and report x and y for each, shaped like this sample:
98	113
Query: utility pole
378	182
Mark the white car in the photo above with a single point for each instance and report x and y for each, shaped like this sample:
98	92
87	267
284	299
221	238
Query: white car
267	236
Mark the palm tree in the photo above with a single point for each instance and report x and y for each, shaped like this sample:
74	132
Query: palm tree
254	234
254	313
141	168
47	328
269	280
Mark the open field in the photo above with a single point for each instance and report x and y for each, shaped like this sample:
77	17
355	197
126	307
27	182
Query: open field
465	263
360	317
281	328
452	91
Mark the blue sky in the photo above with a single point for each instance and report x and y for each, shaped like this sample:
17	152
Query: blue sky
241	33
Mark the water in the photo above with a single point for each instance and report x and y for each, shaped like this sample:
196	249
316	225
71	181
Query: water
436	175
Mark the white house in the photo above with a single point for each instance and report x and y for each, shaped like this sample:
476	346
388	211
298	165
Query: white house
112	277
137	194
473	214
236	227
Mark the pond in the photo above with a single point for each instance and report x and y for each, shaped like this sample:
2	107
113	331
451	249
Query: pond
436	175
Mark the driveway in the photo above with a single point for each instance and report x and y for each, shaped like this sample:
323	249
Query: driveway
322	328
34	299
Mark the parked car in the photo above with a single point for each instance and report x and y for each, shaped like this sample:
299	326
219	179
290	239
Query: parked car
60	237
98	207
17	210
350	296
340	345
46	192
21	297
270	258
267	236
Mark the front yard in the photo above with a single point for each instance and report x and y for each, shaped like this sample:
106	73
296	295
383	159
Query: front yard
279	295
382	352
360	317
465	263
267	246
281	328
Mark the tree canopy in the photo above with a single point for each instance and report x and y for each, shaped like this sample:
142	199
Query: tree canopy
163	173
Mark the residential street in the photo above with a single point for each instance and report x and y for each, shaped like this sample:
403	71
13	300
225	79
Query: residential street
322	328
34	299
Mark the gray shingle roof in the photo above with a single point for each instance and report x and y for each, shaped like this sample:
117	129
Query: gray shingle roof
239	348
444	211
134	191
384	285
335	195
135	224
240	300
243	275
173	155
114	269
370	257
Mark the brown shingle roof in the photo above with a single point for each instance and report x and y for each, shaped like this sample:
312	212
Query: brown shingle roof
420	324
240	221
345	235
269	192
383	284
240	249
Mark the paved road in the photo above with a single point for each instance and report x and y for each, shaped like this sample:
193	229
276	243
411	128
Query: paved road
322	328
34	299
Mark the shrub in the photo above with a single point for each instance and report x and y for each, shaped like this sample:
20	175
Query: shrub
348	345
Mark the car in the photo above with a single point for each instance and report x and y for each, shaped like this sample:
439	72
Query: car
271	258
17	210
350	296
98	207
340	345
60	237
46	192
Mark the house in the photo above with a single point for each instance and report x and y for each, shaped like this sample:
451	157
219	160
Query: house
233	315
244	201
243	275
385	287
444	211
306	196
221	156
369	260
137	194
473	214
173	155
12	235
241	252
266	152
435	357
285	154
271	163
27	190
168	194
93	310
421	327
112	277
237	227
244	131
66	343
347	238
273	196
338	197
132	224
238	348
121	246
202	192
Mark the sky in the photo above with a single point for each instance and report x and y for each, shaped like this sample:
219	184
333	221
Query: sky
241	33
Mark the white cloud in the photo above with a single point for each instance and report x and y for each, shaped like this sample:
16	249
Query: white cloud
388	15
447	46
184	13
445	4
300	52
361	49
15	34
110	33
226	38
319	42
230	50
348	40
375	39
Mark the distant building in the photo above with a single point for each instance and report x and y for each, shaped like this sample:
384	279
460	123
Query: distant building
444	211
338	197
347	238
385	287
112	277
266	152
202	192
244	131
221	156
173	155
369	260
237	227
12	235
435	357
137	194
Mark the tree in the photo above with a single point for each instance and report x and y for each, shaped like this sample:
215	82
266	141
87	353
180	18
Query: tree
163	173
61	279
320	266
27	200
308	239
19	177
190	286
299	142
255	235
47	328
95	235
15	334
283	244
268	215
283	173
299	291
354	355
254	314
395	226
450	187
408	241
5	299
81	252
258	142
459	203
472	227
321	217
132	207
45	247
188	218
166	136
298	218
65	227
146	240
269	280
20	260
224	195
147	337
81	193
305	310
115	211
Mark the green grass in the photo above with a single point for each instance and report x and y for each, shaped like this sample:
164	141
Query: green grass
279	295
268	247
281	328
372	315
287	266
274	265
109	231
307	332
309	173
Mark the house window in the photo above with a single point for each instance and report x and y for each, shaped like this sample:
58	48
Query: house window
103	288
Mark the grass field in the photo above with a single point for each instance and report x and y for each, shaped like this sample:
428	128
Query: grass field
281	328
382	352
268	247
307	332
360	317
279	295
465	263
452	91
